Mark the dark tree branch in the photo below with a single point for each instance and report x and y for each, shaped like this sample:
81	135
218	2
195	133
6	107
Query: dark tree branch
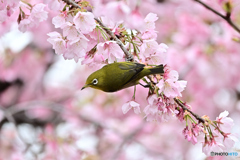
114	37
200	119
8	115
73	3
226	17
107	30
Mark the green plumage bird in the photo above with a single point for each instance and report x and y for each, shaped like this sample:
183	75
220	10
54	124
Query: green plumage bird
119	75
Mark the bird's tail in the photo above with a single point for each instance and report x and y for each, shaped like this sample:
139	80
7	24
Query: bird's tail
156	70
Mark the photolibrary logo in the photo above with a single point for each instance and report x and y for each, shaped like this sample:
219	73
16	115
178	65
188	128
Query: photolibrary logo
224	154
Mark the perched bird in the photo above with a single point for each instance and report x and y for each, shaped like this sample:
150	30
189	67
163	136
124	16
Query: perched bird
119	75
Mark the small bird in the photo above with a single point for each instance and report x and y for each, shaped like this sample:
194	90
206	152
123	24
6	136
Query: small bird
119	75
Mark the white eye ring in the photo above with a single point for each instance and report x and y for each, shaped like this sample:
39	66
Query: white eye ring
95	81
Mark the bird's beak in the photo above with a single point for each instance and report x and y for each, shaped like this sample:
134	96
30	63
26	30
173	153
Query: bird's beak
85	86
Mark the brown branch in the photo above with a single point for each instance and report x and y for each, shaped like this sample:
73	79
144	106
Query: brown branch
8	115
226	17
71	2
112	35
200	119
107	30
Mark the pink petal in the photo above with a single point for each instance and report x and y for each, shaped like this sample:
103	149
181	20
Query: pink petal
223	114
126	107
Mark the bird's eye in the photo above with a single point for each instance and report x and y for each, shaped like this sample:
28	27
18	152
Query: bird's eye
95	81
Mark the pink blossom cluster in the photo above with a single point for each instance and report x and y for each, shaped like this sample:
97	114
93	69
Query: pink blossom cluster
7	7
83	39
217	136
37	13
159	108
191	131
79	35
217	133
161	105
220	139
170	86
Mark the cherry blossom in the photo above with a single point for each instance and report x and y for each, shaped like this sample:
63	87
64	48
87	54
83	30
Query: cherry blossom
160	56
212	145
59	44
171	87
189	135
59	20
110	50
225	123
158	110
3	15
95	62
149	34
25	24
230	140
7	8
76	48
70	31
151	110
191	132
55	4
118	10
85	22
220	139
131	104
150	21
38	14
148	47
136	17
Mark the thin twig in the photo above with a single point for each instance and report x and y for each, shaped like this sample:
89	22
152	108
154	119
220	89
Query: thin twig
112	35
74	4
225	17
186	109
8	115
107	30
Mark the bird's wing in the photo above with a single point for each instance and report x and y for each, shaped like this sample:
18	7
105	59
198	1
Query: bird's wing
132	70
131	65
